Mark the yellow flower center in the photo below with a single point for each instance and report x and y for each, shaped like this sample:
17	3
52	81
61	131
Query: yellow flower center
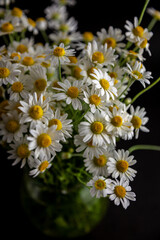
111	42
73	92
88	36
22	48
7	27
41	19
117	121
136	121
105	84
66	41
100	184
40	84
43	166
64	27
31	22
113	75
137	74
101	161
122	165
16	12
76	72
23	151
91	70
73	59
17	87
44	140
138	31
97	127
16	55
98	57
157	15
111	108
36	112
12	126
95	99
120	191
4	72
46	65
59	52
28	61
55	122
90	144
144	43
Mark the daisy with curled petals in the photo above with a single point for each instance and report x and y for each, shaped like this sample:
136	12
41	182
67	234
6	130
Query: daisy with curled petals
59	54
44	140
100	186
121	193
11	128
89	150
94	129
71	92
39	165
19	152
35	110
61	122
138	120
8	72
119	165
104	83
100	54
138	72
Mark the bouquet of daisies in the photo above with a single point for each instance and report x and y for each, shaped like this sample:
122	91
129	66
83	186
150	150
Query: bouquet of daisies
65	102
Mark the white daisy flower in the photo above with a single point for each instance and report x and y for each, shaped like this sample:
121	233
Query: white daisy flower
59	54
9	27
100	186
69	25
104	83
154	13
65	38
19	152
28	60
8	72
18	15
41	24
56	13
35	110
119	165
121	193
100	54
23	46
95	129
45	140
116	73
138	120
39	165
71	93
11	128
113	38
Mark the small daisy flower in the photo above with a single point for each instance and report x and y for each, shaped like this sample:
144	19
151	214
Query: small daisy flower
19	152
121	193
116	73
56	13
41	24
18	15
119	165
28	60
100	186
154	13
65	38
100	54
11	128
39	165
9	27
138	120
32	26
71	93
59	54
23	46
45	140
8	72
104	83
35	110
138	72
67	26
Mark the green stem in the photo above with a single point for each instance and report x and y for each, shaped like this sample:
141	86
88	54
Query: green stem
129	85
5	40
145	90
143	11
59	70
44	35
10	38
152	23
144	147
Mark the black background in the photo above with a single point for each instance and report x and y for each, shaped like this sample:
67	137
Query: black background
141	219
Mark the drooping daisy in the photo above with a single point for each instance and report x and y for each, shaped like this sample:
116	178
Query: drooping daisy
120	165
154	13
100	54
138	72
100	186
59	54
35	110
19	152
121	193
39	165
11	128
71	93
45	140
41	23
94	129
8	72
104	83
138	120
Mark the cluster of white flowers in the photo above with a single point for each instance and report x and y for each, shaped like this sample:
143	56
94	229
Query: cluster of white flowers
75	87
